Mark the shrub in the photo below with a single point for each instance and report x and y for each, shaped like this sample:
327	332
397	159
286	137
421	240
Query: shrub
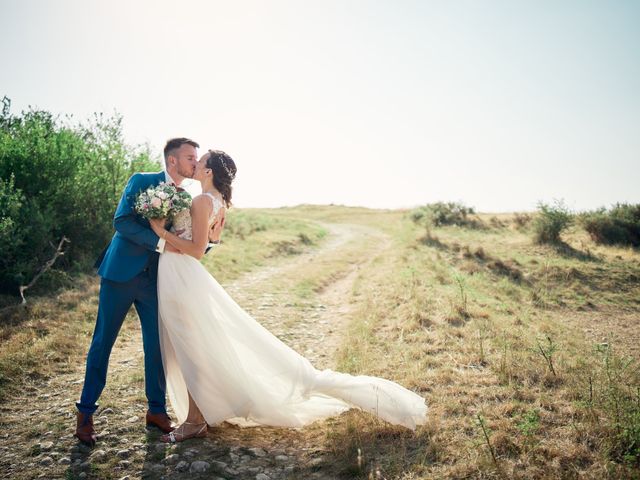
551	221
445	213
11	200
618	226
613	398
59	179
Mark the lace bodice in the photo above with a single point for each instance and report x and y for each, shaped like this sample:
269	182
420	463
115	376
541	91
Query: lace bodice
182	220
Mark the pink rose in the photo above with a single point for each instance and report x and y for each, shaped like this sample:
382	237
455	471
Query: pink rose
156	202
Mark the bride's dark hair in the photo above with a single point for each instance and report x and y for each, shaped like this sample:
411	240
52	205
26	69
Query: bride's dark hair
224	171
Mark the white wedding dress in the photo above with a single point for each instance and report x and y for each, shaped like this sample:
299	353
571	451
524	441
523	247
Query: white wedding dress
237	371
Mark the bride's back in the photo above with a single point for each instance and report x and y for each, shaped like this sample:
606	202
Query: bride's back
182	222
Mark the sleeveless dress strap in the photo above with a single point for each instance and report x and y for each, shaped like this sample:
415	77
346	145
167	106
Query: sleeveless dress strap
217	204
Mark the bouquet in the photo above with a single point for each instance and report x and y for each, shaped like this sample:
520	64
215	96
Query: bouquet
163	201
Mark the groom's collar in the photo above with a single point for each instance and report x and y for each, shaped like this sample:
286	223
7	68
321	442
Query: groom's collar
168	179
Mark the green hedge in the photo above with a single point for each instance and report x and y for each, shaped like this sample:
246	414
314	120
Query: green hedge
618	226
59	178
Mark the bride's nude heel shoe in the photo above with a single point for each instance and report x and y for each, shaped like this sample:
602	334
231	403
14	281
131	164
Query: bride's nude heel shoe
172	436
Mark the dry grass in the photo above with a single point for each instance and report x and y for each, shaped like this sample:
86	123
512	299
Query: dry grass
477	322
42	338
521	350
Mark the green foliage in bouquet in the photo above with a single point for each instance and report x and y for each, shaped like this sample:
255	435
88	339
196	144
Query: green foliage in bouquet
163	201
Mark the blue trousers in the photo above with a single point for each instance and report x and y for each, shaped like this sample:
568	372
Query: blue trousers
115	300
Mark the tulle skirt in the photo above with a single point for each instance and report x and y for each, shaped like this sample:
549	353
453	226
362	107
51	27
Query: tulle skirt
237	371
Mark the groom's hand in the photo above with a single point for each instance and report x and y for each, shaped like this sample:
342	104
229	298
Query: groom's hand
216	231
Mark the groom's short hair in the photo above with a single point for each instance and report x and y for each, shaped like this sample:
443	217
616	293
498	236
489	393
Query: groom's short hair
174	144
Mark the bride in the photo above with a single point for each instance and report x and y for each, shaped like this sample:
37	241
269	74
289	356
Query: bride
220	363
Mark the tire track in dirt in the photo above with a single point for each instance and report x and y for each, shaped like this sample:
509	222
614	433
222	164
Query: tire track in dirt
318	334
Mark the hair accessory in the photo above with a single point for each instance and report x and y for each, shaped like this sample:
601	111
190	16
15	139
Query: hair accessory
221	156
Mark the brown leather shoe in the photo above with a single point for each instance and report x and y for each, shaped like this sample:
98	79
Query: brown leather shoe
159	420
84	429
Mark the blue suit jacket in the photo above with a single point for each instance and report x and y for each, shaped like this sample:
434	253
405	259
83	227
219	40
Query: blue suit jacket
133	246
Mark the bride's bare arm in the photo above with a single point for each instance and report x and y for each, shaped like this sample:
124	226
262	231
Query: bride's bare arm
200	211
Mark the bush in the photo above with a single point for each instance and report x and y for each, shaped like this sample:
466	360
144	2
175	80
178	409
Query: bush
59	179
613	398
11	200
441	213
551	221
618	226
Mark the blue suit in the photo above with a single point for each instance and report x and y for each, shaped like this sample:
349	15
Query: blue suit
129	271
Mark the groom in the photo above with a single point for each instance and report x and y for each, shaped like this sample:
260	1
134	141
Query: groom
129	267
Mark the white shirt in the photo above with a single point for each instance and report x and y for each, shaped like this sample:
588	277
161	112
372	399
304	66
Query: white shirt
168	179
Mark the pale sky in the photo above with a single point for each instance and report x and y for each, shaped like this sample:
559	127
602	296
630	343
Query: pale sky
498	104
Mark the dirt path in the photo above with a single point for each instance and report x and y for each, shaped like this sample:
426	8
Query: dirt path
313	328
37	440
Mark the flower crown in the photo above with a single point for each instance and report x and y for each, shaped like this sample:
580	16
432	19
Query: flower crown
221	156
